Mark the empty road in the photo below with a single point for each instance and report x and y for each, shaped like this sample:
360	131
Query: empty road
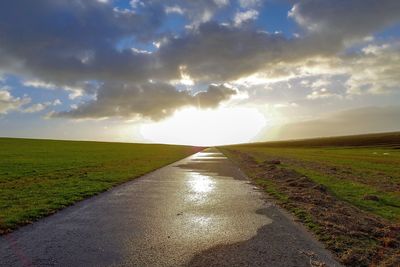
200	211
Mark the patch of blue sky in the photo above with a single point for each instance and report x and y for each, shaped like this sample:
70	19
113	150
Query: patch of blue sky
225	15
37	95
174	24
273	17
387	35
122	4
129	43
392	32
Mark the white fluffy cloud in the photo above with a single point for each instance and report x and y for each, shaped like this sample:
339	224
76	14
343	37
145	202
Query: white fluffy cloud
376	70
9	103
245	16
40	106
174	9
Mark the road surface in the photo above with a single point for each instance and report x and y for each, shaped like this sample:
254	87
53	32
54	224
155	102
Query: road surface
200	211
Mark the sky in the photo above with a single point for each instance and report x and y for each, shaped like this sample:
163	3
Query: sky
199	72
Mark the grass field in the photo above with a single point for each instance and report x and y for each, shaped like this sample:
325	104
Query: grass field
38	177
334	186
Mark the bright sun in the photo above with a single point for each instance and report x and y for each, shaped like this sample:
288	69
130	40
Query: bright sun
206	127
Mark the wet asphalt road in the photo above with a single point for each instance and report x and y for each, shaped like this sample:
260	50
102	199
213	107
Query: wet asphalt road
200	211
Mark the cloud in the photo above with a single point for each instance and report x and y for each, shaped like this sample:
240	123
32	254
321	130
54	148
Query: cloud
9	102
59	39
75	89
371	70
87	51
76	46
345	20
196	11
250	3
375	71
214	96
150	100
320	83
219	53
321	93
135	3
34	108
40	106
39	84
353	121
174	9
245	16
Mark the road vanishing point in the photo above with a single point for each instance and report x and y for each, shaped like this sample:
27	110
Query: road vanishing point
200	211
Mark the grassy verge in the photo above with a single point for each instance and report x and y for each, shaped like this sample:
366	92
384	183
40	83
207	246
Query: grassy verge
39	177
349	173
348	196
386	205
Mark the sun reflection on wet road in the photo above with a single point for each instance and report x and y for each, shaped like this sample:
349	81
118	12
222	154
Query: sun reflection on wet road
200	183
200	221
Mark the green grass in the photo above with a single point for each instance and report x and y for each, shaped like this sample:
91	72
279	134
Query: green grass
370	160
38	177
359	170
388	205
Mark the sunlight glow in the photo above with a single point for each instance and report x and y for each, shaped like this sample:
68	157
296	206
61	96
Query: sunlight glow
206	127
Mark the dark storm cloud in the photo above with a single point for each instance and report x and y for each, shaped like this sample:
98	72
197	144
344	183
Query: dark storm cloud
218	53
69	42
345	19
214	95
152	100
57	40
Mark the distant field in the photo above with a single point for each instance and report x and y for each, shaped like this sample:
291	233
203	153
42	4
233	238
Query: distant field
38	177
321	180
376	140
